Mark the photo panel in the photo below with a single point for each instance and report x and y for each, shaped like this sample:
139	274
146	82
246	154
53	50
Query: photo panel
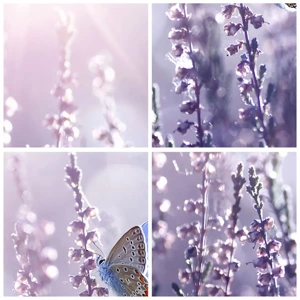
224	224
75	225
76	75
224	75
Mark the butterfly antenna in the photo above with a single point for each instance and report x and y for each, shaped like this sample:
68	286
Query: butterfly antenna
89	204
101	252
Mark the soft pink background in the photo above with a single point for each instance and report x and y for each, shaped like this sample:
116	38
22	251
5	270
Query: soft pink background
31	63
116	183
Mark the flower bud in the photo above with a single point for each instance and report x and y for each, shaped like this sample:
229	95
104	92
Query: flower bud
278	271
265	278
184	276
274	246
175	12
190	252
188	106
189	205
268	223
261	262
228	11
255	236
178	34
232	28
257	21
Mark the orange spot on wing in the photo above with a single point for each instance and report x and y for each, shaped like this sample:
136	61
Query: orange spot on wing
146	291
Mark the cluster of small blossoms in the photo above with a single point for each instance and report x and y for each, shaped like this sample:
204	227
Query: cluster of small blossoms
85	237
100	66
223	251
10	107
267	270
63	124
37	269
279	197
198	267
258	112
187	79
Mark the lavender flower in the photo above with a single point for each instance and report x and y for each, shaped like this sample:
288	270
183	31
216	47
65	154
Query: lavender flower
198	267
279	197
259	113
188	77
63	124
259	235
238	183
211	259
103	90
37	269
85	237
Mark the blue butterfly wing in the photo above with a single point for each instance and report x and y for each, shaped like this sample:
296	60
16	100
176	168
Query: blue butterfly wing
122	270
144	227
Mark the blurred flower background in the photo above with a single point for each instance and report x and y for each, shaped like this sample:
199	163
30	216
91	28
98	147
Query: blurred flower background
177	213
32	53
277	40
115	183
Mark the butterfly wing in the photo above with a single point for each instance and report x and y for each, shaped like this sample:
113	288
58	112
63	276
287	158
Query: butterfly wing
130	250
292	7
145	231
130	281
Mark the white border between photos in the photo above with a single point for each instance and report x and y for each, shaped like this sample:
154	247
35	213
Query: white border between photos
148	149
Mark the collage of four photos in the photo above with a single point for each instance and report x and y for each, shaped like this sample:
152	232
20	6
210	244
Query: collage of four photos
101	196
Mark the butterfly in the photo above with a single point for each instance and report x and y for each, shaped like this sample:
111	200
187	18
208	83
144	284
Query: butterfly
291	5
124	266
288	6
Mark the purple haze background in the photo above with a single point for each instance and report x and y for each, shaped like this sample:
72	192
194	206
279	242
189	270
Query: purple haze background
181	187
279	35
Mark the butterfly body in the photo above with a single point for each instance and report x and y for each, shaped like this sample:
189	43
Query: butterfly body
123	268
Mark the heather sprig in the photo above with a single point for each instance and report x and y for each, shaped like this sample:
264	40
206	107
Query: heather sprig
212	258
223	251
267	270
279	198
37	269
80	226
63	124
250	76
190	75
103	86
197	266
